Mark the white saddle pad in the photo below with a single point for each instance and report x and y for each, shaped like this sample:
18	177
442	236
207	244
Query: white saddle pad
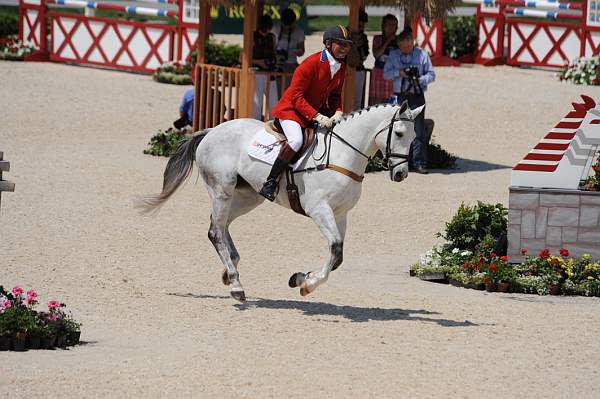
265	147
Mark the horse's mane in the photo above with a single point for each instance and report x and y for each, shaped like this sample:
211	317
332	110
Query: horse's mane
365	110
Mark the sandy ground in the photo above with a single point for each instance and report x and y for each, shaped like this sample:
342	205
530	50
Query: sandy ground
156	319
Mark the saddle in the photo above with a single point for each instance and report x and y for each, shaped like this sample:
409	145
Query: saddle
308	136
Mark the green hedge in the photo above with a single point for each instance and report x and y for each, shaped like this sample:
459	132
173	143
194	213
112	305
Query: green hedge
9	24
460	36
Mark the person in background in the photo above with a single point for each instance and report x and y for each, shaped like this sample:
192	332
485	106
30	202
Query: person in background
357	57
290	41
315	95
264	58
186	110
381	90
411	71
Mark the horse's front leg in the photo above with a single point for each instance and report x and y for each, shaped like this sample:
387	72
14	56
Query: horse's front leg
333	229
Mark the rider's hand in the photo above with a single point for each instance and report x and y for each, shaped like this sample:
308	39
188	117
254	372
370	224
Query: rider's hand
322	120
337	116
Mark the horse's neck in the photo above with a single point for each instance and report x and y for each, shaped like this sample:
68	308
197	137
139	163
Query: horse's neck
359	130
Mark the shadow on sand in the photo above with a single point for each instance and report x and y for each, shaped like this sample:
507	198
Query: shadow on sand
352	313
470	165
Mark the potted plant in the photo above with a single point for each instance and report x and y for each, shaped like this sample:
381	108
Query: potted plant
73	330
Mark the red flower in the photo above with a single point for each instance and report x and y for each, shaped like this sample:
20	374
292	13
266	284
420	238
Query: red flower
493	254
493	266
478	267
504	258
544	254
466	264
564	253
523	251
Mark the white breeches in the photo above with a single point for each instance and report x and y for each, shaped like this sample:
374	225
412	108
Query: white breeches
293	132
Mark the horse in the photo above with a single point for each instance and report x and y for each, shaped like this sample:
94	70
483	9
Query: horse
328	181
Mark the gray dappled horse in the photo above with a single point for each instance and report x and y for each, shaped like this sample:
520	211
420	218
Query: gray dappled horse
329	180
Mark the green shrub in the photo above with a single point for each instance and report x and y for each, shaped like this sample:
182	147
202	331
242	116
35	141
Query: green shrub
460	36
9	24
470	226
164	143
219	53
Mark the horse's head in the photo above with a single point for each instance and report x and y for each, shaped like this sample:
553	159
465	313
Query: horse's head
394	138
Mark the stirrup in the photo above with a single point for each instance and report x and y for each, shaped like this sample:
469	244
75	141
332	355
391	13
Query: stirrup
269	189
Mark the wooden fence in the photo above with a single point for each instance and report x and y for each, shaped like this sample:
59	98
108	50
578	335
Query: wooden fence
218	97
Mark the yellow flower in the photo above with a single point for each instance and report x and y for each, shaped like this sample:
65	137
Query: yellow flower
590	278
586	256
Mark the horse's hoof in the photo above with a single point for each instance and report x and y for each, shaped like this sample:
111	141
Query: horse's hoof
225	278
239	295
304	291
296	279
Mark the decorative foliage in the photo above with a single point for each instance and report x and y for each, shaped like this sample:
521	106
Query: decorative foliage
174	73
581	71
460	36
471	225
13	49
9	24
164	143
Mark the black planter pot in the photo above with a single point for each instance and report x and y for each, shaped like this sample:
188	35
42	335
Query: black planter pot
33	342
48	342
61	341
4	343
73	338
19	342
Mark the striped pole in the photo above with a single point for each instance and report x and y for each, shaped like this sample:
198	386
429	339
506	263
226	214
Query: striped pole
155	12
554	5
541	14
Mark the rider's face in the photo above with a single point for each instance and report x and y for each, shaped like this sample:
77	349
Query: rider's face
340	49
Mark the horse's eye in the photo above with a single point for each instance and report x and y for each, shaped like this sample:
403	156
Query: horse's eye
399	134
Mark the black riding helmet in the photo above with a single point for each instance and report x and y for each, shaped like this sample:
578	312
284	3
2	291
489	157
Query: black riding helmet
336	33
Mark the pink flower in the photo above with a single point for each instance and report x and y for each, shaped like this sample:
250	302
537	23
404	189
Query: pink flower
17	291
53	317
32	296
7	304
53	305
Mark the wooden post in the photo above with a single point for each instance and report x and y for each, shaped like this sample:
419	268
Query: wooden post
350	81
204	19
4	185
247	89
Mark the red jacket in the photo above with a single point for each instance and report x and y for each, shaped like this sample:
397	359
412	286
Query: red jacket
312	90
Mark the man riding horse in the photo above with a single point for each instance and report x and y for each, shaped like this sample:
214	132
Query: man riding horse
314	95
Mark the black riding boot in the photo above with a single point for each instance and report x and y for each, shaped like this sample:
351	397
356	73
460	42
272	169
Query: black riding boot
269	189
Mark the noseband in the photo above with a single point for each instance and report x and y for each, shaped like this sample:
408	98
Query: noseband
389	155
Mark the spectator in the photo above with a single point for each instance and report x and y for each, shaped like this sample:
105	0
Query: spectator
357	57
186	111
264	58
411	71
290	41
380	90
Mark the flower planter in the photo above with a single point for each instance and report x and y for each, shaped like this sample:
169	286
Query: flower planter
491	287
33	342
435	277
503	287
18	342
48	341
61	341
554	289
5	343
73	338
412	273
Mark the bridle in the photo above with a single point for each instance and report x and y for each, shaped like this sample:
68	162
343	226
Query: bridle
388	155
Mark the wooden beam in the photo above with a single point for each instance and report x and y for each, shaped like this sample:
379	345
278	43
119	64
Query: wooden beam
247	89
4	166
350	81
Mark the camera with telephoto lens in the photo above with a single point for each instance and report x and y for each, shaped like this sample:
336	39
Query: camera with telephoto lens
411	72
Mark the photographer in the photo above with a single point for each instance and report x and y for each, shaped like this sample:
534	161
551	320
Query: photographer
264	58
411	71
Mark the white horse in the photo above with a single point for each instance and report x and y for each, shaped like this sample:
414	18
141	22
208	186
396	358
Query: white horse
328	189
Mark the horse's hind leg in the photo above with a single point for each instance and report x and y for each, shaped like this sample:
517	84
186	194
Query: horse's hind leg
218	236
244	200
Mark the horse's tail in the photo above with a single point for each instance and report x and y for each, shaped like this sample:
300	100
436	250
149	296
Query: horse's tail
178	169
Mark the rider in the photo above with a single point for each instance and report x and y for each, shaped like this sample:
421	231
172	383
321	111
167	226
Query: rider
313	95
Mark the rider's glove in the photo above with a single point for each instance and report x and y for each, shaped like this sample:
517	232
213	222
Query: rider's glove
337	116
323	120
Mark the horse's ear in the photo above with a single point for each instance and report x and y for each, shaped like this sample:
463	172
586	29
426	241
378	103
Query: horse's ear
403	107
413	113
